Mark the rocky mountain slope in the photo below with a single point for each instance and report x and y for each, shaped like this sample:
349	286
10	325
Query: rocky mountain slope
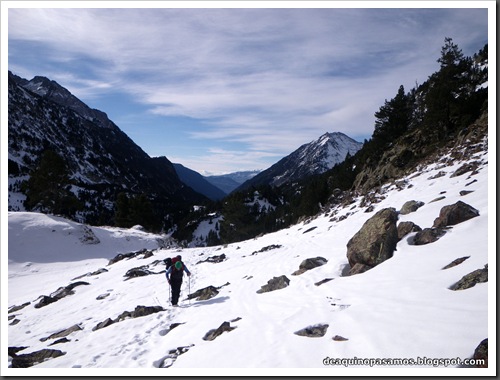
100	161
315	157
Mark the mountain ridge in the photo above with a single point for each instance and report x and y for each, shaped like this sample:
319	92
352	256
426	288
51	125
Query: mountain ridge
312	158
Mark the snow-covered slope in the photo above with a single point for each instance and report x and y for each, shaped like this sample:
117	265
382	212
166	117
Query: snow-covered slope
402	308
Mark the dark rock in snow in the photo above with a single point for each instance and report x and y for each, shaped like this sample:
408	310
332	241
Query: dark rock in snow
427	235
12	351
17	308
62	333
212	334
102	296
204	294
339	338
214	259
103	324
376	241
139	311
323	281
34	358
267	248
137	272
274	284
97	272
456	262
465	192
62	292
316	331
310	263
465	168
404	228
481	353
410	206
172	356
59	341
455	214
128	255
438	199
471	279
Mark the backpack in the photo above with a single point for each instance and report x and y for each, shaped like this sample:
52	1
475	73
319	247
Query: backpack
168	262
176	264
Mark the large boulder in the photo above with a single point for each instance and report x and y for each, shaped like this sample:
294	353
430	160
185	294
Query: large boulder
455	214
376	241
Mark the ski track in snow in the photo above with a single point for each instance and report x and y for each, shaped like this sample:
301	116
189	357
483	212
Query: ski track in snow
400	309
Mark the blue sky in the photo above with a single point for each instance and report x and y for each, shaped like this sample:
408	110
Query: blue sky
221	90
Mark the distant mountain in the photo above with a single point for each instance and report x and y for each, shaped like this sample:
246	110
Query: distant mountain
198	183
315	157
97	161
229	182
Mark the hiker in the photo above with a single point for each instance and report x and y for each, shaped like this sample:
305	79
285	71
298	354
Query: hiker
174	277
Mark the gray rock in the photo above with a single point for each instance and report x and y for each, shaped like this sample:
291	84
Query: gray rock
410	206
481	353
404	228
274	284
212	334
339	338
471	279
465	168
138	272
34	358
62	333
456	262
310	263
358	269
376	241
324	281
103	324
455	214
438	199
204	294
17	308
316	331
427	236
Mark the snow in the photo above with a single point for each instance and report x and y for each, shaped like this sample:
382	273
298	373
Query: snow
403	308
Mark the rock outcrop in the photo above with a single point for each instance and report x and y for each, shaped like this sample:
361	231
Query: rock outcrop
471	279
33	358
455	214
375	242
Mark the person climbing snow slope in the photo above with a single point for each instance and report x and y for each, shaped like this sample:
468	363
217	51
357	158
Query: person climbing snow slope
174	276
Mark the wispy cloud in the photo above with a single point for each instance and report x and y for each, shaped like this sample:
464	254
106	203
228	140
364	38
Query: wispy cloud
271	79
